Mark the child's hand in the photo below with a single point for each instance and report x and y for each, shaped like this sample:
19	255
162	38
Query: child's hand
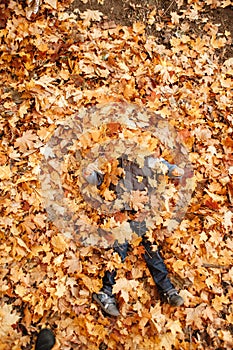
173	171
91	168
92	174
176	172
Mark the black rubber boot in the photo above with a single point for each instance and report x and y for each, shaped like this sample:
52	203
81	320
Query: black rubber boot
45	340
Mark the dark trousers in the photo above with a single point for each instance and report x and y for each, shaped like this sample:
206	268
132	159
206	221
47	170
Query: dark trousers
153	260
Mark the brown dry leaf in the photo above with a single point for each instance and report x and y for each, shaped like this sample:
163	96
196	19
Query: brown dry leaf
74	265
91	15
138	27
5	172
108	195
120	217
138	199
166	341
22	244
226	336
175	18
3	159
27	141
40	220
52	3
122	233
228	219
93	285
219	301
8	319
158	318
124	286
178	265
151	17
61	288
59	243
174	326
28	225
194	315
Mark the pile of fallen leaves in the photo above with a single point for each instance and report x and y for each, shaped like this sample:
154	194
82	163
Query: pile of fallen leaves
52	67
104	136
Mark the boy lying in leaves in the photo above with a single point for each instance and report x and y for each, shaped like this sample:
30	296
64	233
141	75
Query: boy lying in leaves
135	178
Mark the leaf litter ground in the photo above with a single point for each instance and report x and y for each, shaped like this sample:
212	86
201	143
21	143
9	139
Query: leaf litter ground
72	56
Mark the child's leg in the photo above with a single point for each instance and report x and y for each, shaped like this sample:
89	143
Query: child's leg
121	249
109	277
157	268
105	297
159	274
108	282
153	259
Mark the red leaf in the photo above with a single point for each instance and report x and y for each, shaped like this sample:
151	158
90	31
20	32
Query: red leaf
212	204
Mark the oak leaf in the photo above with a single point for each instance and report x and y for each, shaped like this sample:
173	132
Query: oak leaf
27	141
